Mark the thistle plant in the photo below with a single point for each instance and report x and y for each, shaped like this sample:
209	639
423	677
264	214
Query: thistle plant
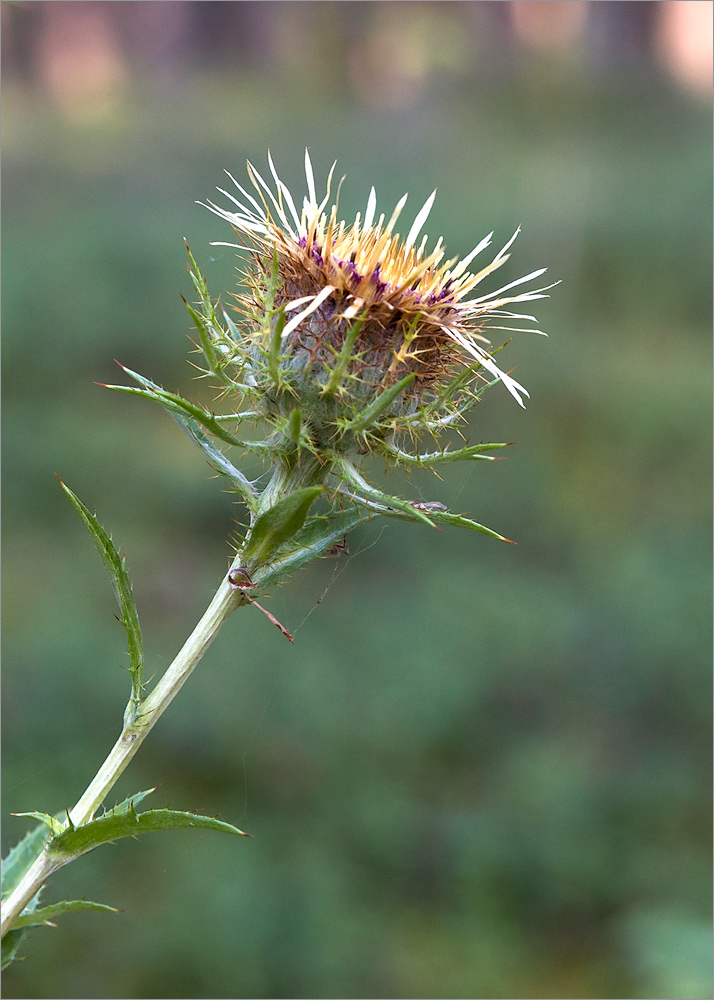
343	342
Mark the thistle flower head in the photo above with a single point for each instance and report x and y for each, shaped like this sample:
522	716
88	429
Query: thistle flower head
352	340
404	310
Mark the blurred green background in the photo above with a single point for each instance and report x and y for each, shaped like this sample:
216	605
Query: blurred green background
483	770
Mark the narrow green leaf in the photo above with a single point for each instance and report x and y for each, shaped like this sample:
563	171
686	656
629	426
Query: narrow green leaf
474	451
116	568
72	844
458	521
237	417
343	358
317	536
277	525
294	426
47	914
202	324
370	414
210	331
275	347
197	278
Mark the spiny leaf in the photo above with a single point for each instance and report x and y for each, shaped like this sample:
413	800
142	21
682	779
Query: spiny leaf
205	322
129	803
21	856
73	843
207	345
459	521
198	280
122	589
47	914
474	451
276	525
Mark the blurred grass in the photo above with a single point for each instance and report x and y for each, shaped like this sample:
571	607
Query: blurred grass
483	770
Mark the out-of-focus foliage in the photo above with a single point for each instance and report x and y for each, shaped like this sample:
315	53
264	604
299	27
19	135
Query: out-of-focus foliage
483	770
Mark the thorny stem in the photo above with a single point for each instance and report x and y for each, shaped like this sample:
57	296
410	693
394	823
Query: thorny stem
224	603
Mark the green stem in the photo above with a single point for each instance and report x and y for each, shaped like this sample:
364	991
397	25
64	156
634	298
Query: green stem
287	476
224	603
